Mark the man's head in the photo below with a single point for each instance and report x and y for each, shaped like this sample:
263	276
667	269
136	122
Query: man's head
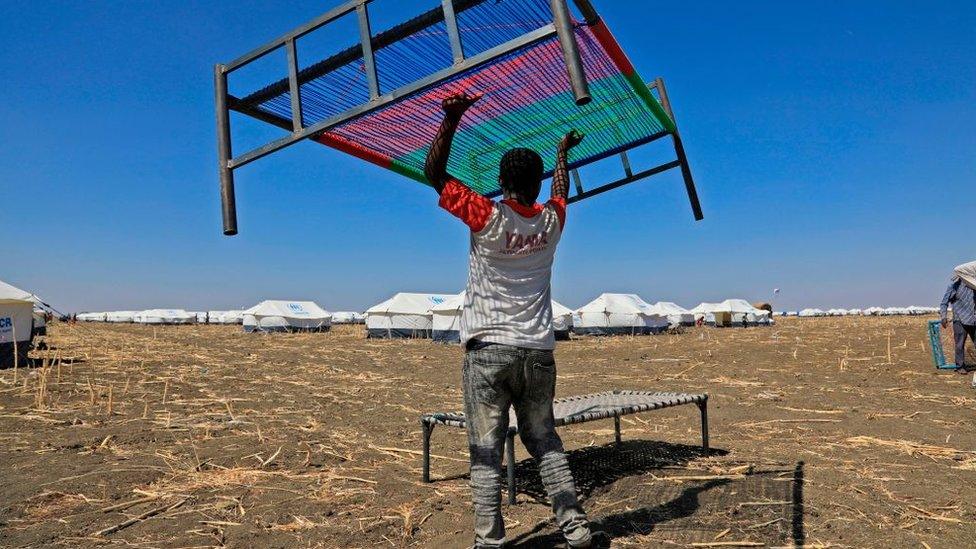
520	175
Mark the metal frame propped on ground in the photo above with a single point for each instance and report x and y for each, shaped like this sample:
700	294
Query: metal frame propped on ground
300	127
577	409
935	342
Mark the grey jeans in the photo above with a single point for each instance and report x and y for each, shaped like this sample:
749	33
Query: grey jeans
495	378
959	333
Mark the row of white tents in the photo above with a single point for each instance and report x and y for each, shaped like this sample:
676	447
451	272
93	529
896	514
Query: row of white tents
870	311
438	316
164	316
270	315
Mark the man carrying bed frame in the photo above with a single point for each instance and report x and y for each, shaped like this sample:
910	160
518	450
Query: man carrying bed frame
506	324
962	297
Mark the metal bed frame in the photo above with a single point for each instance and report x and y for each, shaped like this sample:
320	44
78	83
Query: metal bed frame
577	409
562	27
935	342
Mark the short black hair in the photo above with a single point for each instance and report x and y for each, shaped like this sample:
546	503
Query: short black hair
520	170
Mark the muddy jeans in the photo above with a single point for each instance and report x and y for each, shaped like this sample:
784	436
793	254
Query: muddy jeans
496	377
959	332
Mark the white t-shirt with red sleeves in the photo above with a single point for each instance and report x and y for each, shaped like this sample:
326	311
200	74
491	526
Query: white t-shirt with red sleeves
508	299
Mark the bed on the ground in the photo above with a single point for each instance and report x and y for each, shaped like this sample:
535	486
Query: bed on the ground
572	410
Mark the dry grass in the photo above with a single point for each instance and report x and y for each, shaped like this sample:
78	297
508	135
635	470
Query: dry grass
204	436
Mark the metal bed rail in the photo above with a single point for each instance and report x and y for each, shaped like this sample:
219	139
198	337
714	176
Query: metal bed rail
573	410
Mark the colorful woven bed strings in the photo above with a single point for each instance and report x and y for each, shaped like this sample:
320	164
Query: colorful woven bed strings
527	103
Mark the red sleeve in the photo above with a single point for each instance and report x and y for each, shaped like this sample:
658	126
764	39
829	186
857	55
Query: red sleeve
467	205
559	204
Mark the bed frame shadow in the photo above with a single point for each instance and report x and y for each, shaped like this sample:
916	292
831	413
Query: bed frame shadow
597	467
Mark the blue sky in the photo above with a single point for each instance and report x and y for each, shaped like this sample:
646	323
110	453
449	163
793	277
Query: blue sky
833	144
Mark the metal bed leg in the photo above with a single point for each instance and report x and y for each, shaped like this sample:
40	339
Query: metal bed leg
227	198
703	408
510	459
428	429
679	150
563	21
616	429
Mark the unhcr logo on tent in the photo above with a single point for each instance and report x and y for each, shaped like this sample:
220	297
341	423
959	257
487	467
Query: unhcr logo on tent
437	300
296	307
6	325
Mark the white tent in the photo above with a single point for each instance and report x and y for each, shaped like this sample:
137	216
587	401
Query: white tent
806	313
40	321
91	317
225	317
967	272
40	316
16	324
446	320
618	314
705	312
201	316
676	314
404	315
235	316
164	316
854	312
732	312
562	320
287	316
743	313
120	316
348	317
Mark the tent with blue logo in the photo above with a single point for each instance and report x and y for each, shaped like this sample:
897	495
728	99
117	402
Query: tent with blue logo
405	315
287	316
446	321
16	325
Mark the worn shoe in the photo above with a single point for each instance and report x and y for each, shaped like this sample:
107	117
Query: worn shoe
581	539
596	539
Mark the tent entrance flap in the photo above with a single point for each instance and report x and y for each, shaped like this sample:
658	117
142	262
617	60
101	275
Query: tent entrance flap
541	70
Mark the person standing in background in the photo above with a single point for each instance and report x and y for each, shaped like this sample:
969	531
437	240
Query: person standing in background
963	301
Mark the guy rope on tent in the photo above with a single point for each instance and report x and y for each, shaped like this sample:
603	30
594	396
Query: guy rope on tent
542	71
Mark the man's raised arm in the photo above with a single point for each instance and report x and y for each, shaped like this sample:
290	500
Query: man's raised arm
560	178
435	168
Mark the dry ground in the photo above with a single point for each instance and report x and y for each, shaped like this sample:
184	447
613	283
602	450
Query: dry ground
827	433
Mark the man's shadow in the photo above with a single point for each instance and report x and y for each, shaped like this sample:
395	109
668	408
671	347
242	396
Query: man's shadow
601	466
